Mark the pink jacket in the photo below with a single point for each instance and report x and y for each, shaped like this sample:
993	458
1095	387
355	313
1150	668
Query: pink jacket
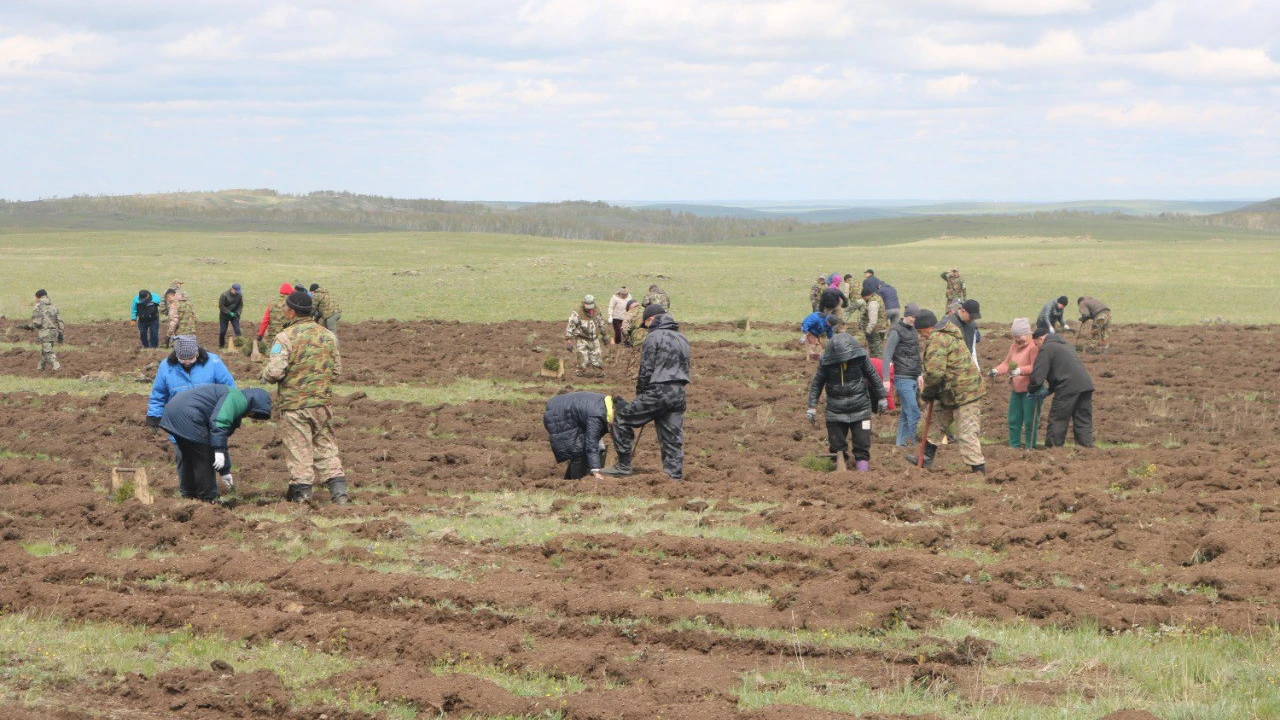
1024	357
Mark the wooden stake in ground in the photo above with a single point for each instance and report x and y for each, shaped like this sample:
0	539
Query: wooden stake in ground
255	355
138	476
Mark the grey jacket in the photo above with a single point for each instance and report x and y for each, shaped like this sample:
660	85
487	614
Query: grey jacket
902	348
1058	365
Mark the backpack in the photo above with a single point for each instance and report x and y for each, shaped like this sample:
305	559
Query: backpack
148	311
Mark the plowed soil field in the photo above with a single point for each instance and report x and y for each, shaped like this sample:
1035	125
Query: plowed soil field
464	556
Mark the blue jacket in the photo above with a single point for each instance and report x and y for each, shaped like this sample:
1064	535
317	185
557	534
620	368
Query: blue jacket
210	413
816	324
172	378
890	296
133	310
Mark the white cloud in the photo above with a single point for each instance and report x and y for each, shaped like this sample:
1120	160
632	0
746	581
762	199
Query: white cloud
951	85
1155	115
804	89
204	44
23	53
1055	48
1200	64
1015	7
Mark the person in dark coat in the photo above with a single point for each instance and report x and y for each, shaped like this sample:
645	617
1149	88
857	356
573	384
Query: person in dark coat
201	420
576	424
660	396
230	305
902	355
854	391
1058	370
832	300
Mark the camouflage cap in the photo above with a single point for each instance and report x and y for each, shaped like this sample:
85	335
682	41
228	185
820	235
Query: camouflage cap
589	301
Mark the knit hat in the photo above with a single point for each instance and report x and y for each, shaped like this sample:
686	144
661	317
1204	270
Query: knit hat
299	301
315	287
1063	301
1021	327
654	310
912	310
973	308
286	288
1040	332
870	286
589	301
235	286
926	319
185	347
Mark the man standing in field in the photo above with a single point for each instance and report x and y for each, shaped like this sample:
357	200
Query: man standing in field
182	315
585	334
660	397
957	291
953	382
1093	311
875	321
303	363
656	296
230	305
47	323
145	313
815	292
965	317
327	310
618	312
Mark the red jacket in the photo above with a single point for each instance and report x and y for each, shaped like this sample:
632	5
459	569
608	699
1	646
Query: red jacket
877	363
286	289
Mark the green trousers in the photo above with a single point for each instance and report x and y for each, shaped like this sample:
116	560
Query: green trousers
1022	416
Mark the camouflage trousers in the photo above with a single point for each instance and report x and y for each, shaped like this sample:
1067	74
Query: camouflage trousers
1100	332
968	422
331	322
875	344
663	404
48	357
588	352
307	435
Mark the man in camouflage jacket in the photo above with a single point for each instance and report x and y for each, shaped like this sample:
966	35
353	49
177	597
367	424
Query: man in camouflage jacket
182	315
957	291
1098	315
273	319
303	364
327	310
815	292
656	297
47	323
585	334
875	319
955	385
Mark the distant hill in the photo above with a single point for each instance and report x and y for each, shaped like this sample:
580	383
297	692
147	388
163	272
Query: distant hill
834	213
1263	215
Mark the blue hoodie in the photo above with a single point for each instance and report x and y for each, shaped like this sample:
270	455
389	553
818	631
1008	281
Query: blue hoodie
816	324
172	378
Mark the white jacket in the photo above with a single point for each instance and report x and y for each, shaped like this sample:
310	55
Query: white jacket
618	307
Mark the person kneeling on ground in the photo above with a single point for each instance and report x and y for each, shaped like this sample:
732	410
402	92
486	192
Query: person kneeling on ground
576	423
201	420
854	391
1058	365
660	396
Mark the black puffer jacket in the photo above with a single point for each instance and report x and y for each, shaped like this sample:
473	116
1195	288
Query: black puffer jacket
1058	365
665	358
575	423
853	385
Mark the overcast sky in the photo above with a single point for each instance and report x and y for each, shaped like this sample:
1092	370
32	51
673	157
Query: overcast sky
644	99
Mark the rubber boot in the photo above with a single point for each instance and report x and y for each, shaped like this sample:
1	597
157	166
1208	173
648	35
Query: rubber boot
338	490
621	468
979	468
863	466
929	451
298	493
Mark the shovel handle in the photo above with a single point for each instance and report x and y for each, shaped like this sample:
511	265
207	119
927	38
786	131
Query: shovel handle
924	436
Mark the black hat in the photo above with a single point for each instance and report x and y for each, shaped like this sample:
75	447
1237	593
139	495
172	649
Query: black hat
973	308
1063	301
1040	332
654	310
144	294
926	319
870	286
315	287
869	271
299	301
41	293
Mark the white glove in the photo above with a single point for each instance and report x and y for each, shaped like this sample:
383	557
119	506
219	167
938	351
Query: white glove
882	406
219	460
812	414
228	484
1015	372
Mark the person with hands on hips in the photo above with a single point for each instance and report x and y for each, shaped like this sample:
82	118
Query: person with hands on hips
201	421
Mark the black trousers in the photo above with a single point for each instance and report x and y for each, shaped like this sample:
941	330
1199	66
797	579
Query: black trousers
664	405
222	329
617	332
838	432
577	469
149	333
1076	409
196	476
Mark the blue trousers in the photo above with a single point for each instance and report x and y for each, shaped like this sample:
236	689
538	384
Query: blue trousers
908	410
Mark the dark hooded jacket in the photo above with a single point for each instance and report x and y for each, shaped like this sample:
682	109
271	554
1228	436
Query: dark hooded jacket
852	383
209	414
575	423
665	358
832	298
890	295
1058	365
902	348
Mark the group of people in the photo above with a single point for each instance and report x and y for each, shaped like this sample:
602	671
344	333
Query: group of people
179	313
862	365
588	331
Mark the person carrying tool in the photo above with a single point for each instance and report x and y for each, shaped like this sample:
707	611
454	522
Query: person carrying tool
230	305
660	396
1058	370
1017	367
1098	315
576	424
201	420
854	391
953	382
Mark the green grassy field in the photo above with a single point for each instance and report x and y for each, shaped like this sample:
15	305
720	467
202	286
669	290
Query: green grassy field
1198	275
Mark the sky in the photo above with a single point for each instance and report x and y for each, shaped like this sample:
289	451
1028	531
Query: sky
631	100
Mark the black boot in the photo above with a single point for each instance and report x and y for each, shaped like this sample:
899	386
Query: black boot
929	451
621	468
298	493
979	468
338	490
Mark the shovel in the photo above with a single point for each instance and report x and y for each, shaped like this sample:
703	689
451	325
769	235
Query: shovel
924	435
